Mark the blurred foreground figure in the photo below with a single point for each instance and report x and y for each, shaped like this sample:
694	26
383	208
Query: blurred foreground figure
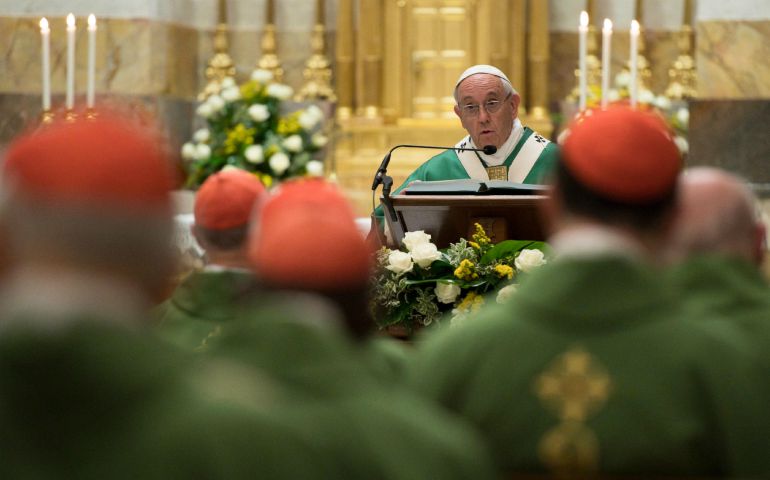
717	248
205	299
84	392
593	367
308	329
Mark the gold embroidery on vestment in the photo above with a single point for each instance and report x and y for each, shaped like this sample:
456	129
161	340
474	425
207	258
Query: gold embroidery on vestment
498	173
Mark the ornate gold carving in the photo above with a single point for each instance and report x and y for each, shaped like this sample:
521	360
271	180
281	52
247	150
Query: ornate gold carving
574	386
682	79
220	65
318	72
269	59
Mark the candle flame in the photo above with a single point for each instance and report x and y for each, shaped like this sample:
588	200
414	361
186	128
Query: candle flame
70	22
92	22
583	18
607	25
44	25
634	27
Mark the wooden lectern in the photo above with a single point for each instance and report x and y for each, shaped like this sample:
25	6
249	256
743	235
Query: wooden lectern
447	218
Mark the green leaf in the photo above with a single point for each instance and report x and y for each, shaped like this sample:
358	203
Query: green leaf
506	248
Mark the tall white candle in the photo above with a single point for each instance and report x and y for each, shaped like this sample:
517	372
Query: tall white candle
45	37
91	81
70	97
583	36
606	38
634	85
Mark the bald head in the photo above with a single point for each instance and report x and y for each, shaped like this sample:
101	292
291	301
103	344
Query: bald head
717	215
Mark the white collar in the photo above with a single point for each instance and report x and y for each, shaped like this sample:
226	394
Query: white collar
499	157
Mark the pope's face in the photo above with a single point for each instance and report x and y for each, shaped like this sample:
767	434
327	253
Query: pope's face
477	95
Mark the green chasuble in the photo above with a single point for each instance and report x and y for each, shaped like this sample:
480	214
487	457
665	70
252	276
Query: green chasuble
201	303
95	400
447	166
593	367
731	289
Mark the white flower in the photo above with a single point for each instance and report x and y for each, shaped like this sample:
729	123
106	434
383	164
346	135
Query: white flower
319	140
623	79
447	292
231	168
261	76
399	262
227	82
204	110
216	103
506	293
307	120
279	91
315	112
202	151
424	254
188	151
529	259
662	102
259	112
646	96
231	94
412	239
315	168
293	143
202	136
279	162
683	116
254	154
681	144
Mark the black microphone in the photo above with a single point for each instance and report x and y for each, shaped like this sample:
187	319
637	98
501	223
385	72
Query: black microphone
488	149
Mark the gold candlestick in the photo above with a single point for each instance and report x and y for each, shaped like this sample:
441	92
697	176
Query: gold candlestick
220	65
47	117
318	72
269	59
682	79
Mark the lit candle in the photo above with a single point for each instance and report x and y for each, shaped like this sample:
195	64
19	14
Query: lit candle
583	30
91	61
606	37
70	98
45	35
634	85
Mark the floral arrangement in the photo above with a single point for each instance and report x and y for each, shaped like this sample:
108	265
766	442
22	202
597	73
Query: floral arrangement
419	284
247	127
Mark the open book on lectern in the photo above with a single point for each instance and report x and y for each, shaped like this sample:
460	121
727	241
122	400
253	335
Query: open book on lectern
473	187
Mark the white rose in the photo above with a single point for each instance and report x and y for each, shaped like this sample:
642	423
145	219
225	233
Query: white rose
188	151
613	95
412	239
227	82
399	262
279	162
202	136
231	94
307	120
254	154
319	140
529	259
216	103
424	254
293	143
315	168
447	292
662	102
623	79
646	96
506	293
261	76
681	144
683	116
259	112
204	110
315	112
231	168
279	91
202	151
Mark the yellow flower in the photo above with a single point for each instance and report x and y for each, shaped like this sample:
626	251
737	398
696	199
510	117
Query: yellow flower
238	137
504	271
466	271
289	125
267	180
471	303
474	245
251	89
480	237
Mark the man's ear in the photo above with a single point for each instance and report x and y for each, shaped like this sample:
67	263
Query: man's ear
515	101
457	112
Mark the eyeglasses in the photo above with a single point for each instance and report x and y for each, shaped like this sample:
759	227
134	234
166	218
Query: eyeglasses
490	106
